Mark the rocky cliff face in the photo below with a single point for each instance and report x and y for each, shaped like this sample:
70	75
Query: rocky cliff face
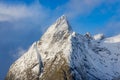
62	54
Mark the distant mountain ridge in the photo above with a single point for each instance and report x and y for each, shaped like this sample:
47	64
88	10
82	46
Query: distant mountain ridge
62	54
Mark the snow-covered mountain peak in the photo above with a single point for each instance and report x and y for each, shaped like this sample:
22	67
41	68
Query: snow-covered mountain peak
63	17
55	39
63	23
62	54
57	31
88	36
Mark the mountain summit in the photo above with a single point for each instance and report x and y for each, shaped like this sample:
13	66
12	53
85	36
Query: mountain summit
62	54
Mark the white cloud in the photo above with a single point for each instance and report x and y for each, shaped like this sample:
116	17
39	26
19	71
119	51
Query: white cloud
23	16
81	7
17	12
20	52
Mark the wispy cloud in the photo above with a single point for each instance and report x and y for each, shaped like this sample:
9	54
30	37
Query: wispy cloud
17	12
81	7
20	51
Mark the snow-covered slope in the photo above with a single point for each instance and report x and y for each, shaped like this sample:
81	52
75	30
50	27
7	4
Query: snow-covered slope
62	54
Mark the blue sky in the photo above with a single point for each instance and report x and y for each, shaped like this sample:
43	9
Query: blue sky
24	21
